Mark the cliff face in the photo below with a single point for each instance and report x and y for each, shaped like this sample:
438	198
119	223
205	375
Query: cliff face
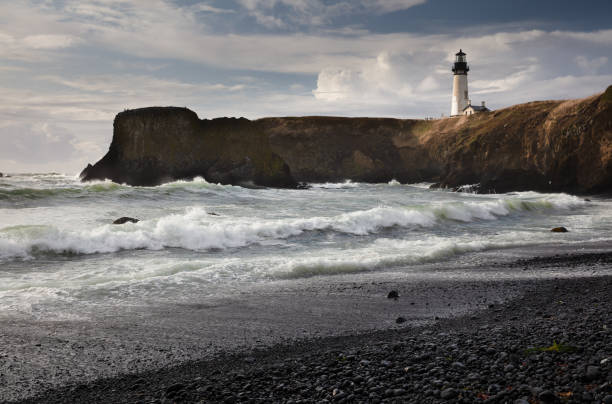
319	149
155	145
545	146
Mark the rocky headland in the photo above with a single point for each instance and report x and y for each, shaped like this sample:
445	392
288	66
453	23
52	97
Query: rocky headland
550	146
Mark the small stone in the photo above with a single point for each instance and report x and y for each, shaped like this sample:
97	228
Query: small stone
393	295
592	373
400	320
449	393
547	396
174	389
560	229
399	392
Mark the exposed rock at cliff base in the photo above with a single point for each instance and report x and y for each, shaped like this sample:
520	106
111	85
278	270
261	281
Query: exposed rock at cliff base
549	146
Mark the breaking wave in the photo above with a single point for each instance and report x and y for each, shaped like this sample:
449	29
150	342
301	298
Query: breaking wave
196	229
74	188
388	253
348	184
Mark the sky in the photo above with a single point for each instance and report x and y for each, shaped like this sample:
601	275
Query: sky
67	67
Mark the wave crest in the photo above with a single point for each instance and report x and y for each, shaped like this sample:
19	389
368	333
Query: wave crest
195	229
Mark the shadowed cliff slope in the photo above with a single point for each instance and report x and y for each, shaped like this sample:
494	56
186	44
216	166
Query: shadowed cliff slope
160	144
544	146
319	149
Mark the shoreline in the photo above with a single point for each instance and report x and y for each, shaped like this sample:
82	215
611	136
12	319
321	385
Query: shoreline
522	320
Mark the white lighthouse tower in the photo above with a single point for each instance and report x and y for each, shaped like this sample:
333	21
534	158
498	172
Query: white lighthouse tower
460	87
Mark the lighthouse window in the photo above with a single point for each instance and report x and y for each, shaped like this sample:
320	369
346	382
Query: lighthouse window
465	94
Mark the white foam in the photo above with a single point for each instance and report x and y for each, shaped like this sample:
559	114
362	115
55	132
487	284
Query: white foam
195	229
336	185
387	253
197	182
422	185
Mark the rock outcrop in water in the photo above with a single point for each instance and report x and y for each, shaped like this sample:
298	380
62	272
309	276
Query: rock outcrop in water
125	219
544	146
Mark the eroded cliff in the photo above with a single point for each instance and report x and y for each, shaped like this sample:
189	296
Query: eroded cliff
160	144
544	146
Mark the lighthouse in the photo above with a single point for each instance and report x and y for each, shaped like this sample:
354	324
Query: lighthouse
460	87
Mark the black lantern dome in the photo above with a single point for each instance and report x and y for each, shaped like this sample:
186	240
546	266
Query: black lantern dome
460	66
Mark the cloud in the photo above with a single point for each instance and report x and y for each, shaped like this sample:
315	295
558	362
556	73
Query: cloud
507	83
506	68
591	65
97	98
210	9
429	83
377	81
33	47
389	6
285	13
49	41
32	143
138	86
603	37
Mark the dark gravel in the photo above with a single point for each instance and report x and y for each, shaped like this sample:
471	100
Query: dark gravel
553	346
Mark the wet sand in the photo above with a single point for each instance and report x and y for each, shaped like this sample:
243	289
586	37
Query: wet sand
227	349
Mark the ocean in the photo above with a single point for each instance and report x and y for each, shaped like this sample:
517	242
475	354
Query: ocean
62	258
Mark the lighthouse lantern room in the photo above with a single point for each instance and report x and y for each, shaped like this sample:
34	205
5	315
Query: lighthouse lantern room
460	85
